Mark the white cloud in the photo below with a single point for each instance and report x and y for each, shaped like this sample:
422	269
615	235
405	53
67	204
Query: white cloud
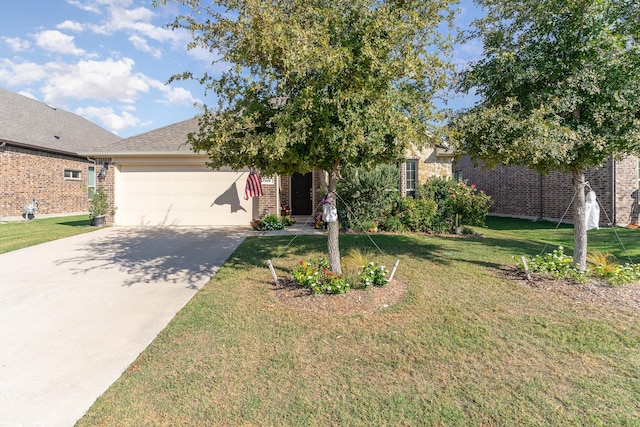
17	74
110	79
179	96
141	44
109	118
70	26
16	44
95	6
27	94
56	41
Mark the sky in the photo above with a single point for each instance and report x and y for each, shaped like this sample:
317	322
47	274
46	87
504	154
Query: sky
109	60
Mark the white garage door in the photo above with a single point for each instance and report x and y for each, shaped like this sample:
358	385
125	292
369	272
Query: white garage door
181	196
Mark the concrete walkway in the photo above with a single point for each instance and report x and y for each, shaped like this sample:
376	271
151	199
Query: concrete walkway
76	312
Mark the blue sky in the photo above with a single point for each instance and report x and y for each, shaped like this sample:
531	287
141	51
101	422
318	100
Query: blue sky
109	60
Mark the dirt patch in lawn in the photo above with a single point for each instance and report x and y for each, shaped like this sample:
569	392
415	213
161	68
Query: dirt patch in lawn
592	292
356	301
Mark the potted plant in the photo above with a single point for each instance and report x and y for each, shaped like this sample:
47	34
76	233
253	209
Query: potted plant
98	207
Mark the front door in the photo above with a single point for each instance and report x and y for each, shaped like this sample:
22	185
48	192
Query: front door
301	194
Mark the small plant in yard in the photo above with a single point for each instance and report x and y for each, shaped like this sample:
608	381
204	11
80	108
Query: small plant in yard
99	203
373	274
557	264
271	222
317	276
601	266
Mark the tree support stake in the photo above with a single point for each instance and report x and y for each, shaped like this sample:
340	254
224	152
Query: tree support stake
273	272
393	271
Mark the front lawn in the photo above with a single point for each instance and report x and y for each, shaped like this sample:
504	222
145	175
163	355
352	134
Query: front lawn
464	346
20	234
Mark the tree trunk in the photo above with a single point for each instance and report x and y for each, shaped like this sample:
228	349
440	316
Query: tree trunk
579	221
334	227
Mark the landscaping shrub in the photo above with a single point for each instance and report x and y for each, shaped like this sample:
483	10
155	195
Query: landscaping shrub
393	224
459	204
316	275
369	195
373	274
271	222
468	205
360	273
416	214
601	266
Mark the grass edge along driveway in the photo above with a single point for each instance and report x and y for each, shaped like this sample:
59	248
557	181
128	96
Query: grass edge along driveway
16	235
463	347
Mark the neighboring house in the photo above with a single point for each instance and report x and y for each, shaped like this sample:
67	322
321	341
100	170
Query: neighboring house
155	179
39	157
521	192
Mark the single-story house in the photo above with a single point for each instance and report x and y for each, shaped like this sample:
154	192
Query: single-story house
39	158
155	179
518	191
59	159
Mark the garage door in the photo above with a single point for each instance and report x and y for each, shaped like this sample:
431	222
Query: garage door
181	196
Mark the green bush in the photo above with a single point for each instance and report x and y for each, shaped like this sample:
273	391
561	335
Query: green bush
416	214
269	222
469	205
459	204
393	224
367	196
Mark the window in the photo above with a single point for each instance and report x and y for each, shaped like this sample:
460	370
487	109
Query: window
410	177
91	182
457	176
71	174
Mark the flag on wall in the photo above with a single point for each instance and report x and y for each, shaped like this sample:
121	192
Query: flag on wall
254	185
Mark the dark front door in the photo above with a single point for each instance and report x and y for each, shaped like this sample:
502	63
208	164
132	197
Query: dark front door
301	194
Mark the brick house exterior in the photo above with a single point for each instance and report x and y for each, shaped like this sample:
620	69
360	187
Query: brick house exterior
521	192
419	165
39	157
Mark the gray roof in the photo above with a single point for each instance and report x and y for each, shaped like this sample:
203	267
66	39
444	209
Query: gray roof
25	121
167	140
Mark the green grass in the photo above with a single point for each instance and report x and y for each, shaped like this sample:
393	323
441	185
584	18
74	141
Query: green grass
463	346
20	234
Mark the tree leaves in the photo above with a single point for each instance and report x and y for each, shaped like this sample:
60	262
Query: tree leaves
559	84
354	81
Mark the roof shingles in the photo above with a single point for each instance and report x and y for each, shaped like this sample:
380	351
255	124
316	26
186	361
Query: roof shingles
33	123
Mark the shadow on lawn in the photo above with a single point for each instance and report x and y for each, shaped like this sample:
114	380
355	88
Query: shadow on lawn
79	223
158	255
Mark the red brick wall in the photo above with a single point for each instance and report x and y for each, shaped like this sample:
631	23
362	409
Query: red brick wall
268	202
26	174
522	192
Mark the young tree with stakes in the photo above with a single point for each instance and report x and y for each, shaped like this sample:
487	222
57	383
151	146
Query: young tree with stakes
559	84
318	84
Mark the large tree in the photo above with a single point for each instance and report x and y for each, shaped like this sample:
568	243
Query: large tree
318	84
559	84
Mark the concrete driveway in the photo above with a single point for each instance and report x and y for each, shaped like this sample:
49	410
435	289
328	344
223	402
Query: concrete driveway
74	313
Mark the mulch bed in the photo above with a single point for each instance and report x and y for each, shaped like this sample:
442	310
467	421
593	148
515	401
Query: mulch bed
594	291
356	301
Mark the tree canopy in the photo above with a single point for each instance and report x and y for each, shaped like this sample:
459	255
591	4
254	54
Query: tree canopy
559	86
319	84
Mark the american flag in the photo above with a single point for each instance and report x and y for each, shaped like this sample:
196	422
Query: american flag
254	185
